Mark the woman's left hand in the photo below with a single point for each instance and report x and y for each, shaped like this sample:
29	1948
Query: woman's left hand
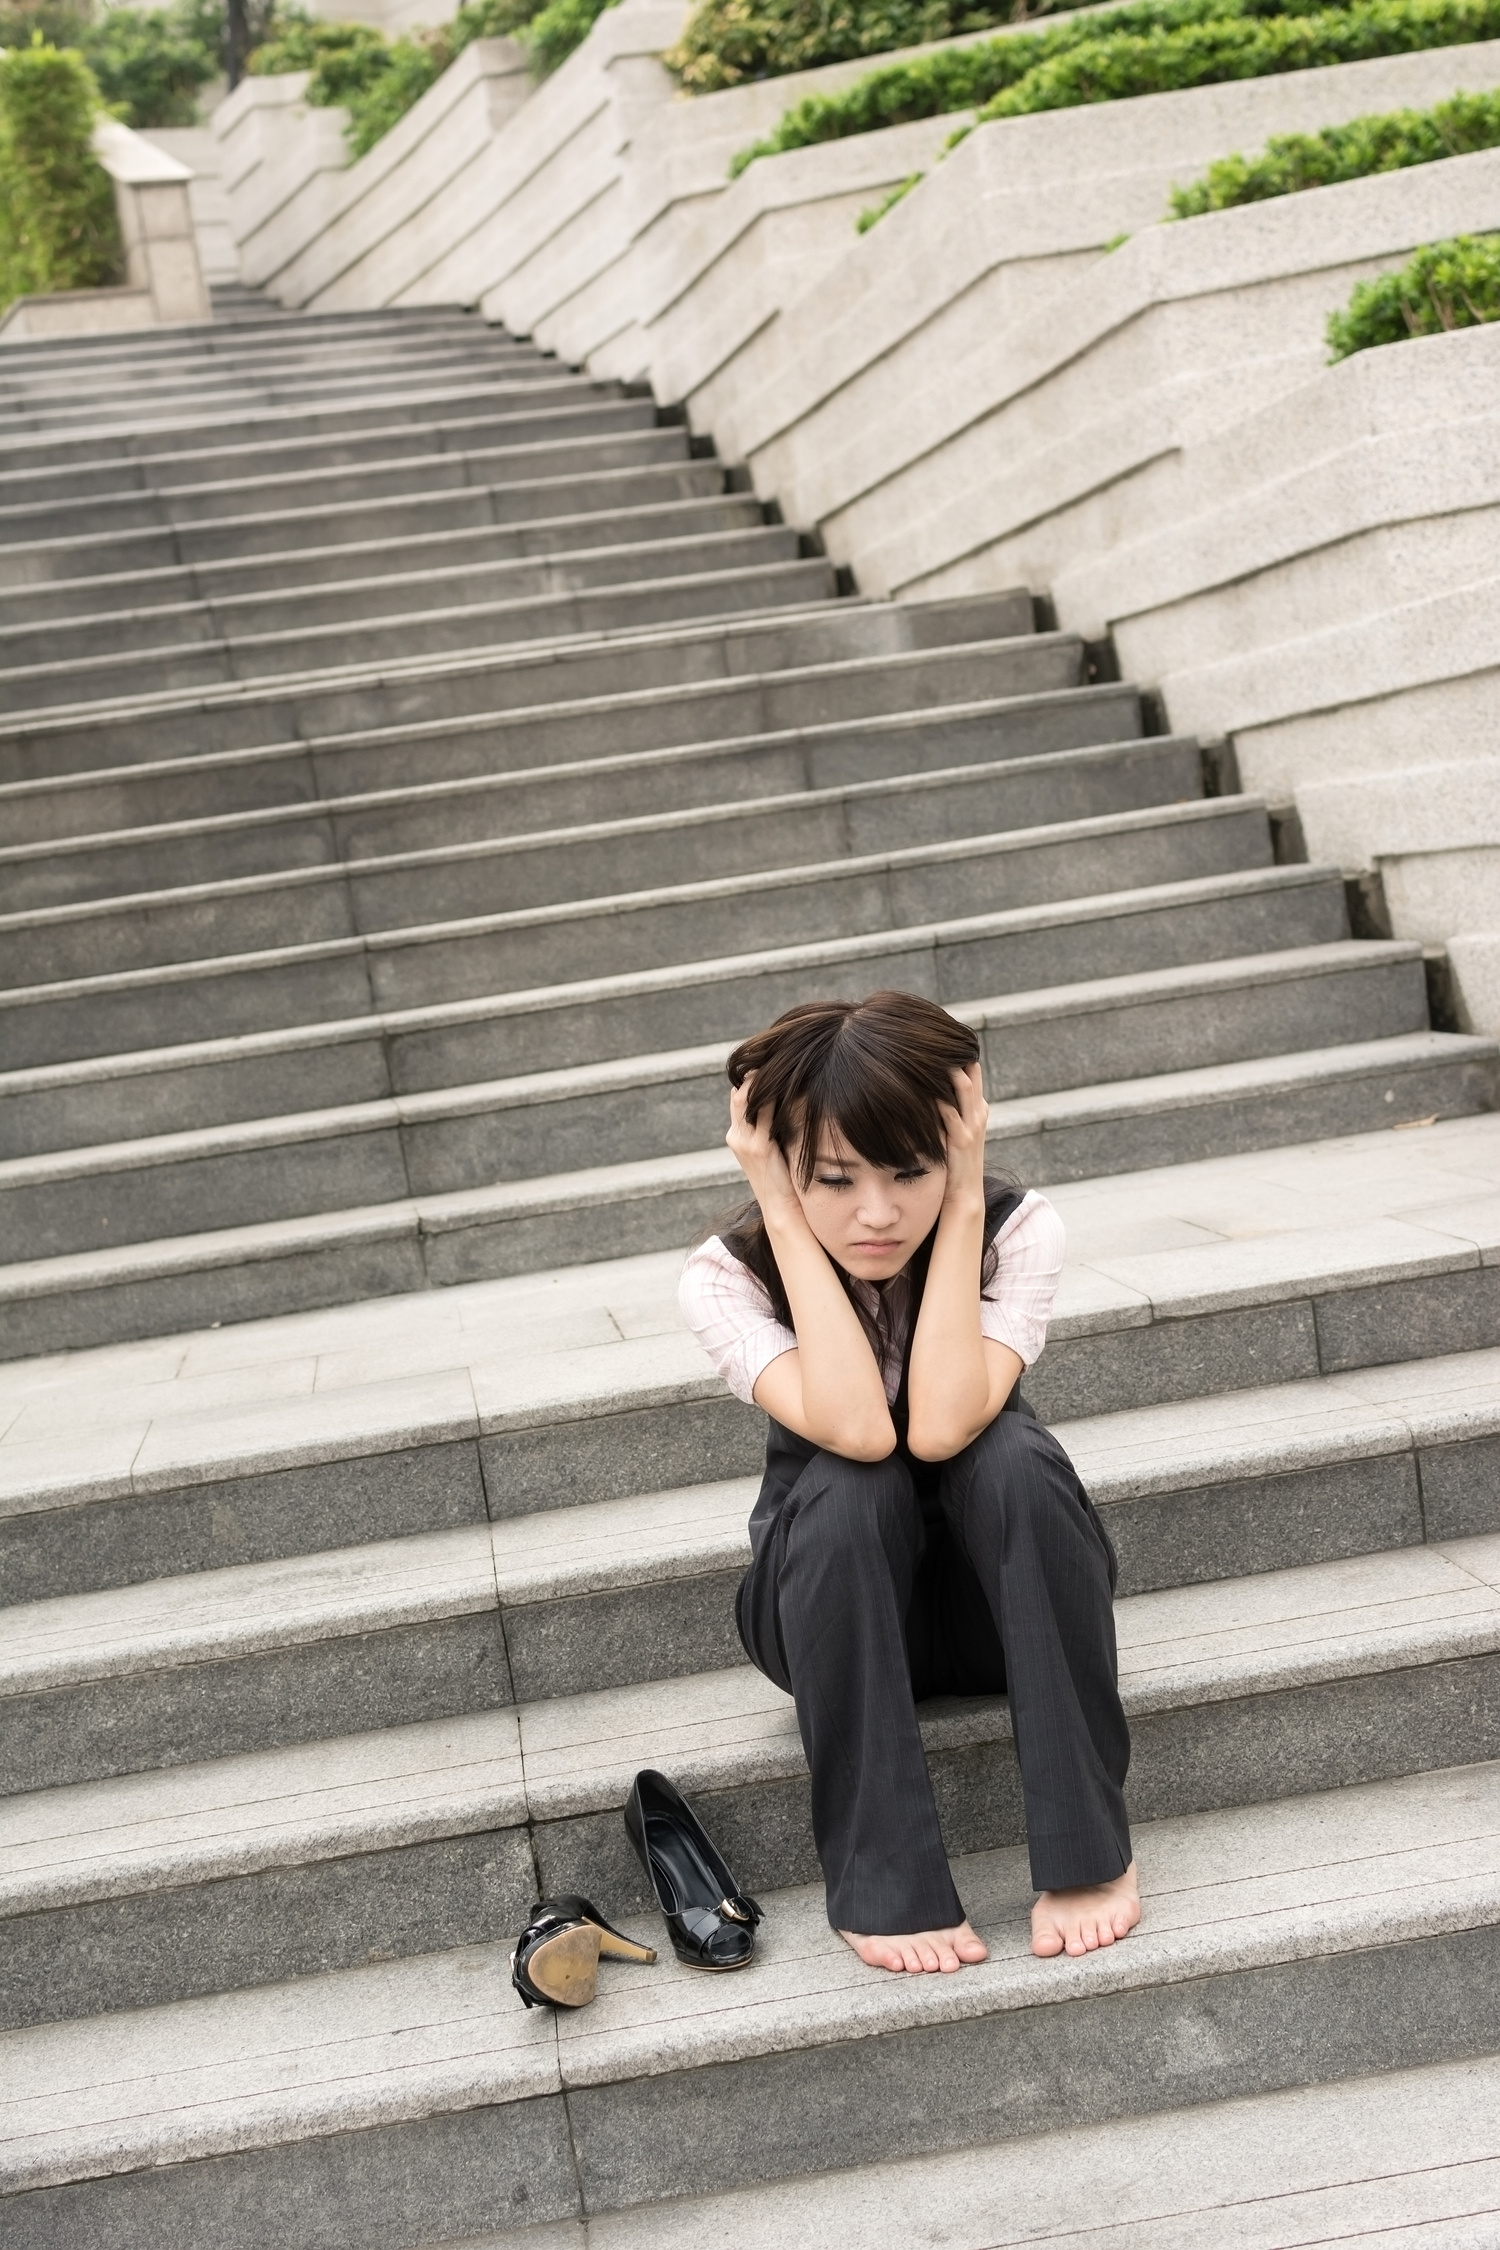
964	1123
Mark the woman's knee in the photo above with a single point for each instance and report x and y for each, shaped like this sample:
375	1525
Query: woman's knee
1018	1465
848	1501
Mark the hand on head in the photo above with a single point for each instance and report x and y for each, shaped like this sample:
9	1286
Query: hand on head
757	1155
965	1120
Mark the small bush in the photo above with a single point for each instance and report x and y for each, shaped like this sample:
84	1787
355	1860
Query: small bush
1206	54
57	207
1454	284
965	77
1355	151
1147	47
726	42
378	80
149	64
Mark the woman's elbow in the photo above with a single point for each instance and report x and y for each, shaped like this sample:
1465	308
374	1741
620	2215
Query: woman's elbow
937	1443
865	1441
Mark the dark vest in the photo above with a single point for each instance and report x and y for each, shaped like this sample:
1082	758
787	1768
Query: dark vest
787	1454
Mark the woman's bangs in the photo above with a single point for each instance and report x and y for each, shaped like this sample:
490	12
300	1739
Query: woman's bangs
878	1114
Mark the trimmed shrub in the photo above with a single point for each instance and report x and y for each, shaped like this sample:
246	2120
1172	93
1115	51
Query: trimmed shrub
1453	284
965	77
1355	151
149	64
378	80
1206	54
57	207
1151	46
725	42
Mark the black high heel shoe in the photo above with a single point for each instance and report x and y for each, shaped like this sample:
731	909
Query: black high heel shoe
556	1961
711	1923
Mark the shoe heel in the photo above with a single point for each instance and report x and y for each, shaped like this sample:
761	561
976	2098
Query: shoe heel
565	1968
617	1948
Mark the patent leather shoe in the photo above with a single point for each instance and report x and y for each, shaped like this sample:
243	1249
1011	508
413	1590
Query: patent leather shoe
710	1921
556	1961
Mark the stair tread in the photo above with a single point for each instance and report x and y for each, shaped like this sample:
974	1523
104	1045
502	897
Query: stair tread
1410	2155
1374	1865
513	1353
584	1079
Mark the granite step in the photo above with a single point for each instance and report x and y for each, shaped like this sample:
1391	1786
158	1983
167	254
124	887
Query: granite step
604	813
519	1227
532	442
419	388
211	340
242	1070
425	914
512	1396
177	405
305	781
244	578
1316	1676
358	605
509	412
1401	2157
1246	1312
598	694
416	2095
545	1124
685	590
235	540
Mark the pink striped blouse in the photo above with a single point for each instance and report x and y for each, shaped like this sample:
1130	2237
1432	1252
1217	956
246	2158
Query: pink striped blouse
730	1314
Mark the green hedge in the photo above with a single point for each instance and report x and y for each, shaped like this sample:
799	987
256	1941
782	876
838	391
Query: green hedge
726	42
377	80
57	207
150	64
1454	284
1355	151
1151	46
1113	69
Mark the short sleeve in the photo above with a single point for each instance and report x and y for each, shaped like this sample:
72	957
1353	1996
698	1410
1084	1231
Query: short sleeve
730	1314
1016	1305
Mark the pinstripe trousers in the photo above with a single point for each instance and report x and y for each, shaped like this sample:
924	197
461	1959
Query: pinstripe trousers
876	1584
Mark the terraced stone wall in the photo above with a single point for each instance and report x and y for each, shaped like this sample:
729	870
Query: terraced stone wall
993	386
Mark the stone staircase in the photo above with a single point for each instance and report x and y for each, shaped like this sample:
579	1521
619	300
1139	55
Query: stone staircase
419	764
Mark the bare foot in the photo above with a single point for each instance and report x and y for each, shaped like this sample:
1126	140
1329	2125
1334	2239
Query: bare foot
1080	1921
923	1950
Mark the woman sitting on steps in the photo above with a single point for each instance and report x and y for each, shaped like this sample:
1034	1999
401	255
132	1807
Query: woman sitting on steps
918	1531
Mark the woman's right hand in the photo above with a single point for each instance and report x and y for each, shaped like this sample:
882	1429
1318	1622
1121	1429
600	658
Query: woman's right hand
757	1155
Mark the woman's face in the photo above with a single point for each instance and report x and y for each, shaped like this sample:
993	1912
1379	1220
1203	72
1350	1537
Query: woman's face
869	1220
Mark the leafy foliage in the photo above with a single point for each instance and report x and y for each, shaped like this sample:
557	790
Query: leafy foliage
958	78
377	79
1205	54
57	208
1148	46
149	63
1345	152
888	202
1453	284
725	42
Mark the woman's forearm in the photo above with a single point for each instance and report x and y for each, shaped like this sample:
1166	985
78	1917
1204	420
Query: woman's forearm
951	1382
830	1388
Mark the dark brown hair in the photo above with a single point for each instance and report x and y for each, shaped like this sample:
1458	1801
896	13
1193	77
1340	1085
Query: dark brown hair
875	1072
